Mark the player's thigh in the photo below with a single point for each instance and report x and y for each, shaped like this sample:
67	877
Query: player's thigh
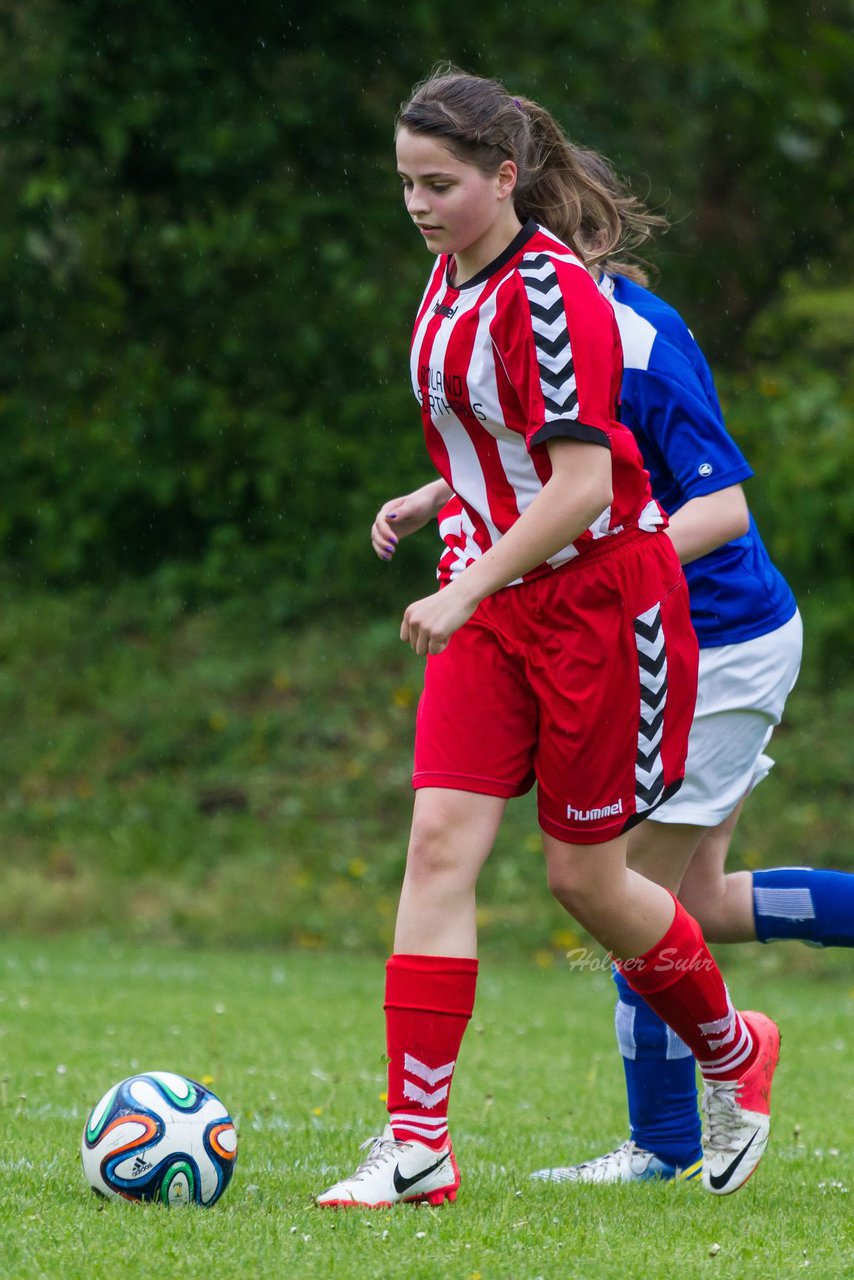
704	879
615	678
721	901
663	851
452	833
581	874
476	727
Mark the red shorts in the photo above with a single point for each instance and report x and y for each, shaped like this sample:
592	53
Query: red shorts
583	680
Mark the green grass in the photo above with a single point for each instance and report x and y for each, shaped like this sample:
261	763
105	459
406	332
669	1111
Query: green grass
204	818
213	777
294	1045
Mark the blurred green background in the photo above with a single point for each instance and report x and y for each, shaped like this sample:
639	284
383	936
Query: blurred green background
207	287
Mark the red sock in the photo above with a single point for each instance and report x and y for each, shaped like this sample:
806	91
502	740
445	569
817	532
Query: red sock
681	982
428	1003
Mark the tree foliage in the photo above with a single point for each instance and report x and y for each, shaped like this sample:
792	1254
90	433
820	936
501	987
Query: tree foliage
207	279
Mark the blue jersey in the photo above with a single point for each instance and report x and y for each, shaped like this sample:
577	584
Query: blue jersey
670	403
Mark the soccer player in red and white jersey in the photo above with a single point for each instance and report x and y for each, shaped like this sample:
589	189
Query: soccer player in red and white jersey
559	645
749	632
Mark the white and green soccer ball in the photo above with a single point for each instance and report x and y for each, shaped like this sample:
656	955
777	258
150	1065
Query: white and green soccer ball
159	1136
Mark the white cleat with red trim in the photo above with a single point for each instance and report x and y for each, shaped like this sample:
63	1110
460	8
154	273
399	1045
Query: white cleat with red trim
396	1172
738	1114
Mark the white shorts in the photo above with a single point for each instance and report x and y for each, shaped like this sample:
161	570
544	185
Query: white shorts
740	698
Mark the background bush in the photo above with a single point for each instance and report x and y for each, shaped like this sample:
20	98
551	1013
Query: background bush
206	279
206	288
791	406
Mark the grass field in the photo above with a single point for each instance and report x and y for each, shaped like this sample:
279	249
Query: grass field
203	819
210	776
293	1043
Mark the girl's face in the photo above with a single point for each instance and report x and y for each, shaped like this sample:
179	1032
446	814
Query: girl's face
457	208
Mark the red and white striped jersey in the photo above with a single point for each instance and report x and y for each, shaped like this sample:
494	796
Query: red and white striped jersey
526	351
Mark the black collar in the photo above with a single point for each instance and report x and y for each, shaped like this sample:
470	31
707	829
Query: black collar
519	240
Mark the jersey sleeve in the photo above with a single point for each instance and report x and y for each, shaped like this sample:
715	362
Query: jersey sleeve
673	411
560	349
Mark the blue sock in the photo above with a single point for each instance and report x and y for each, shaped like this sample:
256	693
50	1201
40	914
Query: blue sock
661	1081
799	902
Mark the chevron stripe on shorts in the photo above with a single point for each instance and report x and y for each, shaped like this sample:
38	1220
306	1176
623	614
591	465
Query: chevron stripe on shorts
652	668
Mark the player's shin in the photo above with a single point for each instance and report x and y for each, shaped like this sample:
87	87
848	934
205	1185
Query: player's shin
661	1083
428	1003
737	1054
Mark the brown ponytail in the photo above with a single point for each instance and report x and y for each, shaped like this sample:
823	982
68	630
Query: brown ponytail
558	184
560	194
637	224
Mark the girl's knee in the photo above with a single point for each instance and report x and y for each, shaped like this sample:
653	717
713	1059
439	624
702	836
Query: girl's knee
452	835
432	850
571	884
439	850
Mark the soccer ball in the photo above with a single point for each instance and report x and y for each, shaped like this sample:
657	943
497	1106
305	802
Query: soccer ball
159	1136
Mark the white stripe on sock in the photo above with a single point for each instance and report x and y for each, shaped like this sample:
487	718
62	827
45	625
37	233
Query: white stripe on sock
738	1055
398	1123
425	1122
720	1024
731	1033
416	1094
431	1075
787	904
676	1047
624	1025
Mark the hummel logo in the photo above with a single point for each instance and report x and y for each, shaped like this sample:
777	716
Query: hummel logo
402	1184
720	1180
590	815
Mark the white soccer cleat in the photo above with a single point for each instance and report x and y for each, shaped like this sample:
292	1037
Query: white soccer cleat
396	1172
737	1113
629	1163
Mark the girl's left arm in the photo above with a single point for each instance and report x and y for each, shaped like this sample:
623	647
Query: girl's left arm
578	490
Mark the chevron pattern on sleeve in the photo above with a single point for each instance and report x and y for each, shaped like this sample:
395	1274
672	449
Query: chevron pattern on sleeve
652	668
551	337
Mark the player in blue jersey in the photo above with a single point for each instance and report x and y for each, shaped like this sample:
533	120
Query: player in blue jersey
749	631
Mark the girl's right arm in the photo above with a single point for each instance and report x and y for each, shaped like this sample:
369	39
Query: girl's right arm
399	517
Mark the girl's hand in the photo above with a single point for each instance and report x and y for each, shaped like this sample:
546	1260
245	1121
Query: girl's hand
399	517
428	624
